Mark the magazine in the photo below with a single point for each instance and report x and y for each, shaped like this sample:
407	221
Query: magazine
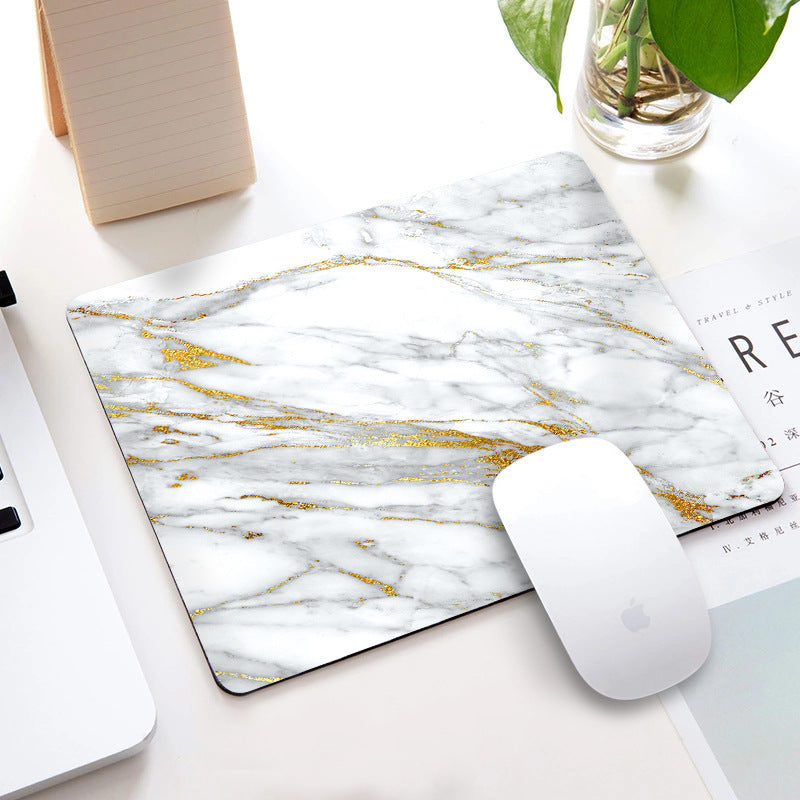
738	714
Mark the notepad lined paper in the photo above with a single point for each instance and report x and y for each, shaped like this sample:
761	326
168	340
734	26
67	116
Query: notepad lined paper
152	100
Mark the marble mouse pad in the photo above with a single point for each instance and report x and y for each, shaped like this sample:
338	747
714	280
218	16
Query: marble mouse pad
314	422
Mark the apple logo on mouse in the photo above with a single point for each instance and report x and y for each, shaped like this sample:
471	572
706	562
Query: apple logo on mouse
633	617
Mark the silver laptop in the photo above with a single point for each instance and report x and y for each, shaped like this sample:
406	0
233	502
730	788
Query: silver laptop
72	694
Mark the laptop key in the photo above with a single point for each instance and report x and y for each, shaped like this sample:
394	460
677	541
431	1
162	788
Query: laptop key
9	519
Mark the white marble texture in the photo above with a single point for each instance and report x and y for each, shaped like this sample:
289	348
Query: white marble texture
314	422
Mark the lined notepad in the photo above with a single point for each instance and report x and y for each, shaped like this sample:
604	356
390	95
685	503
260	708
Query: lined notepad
149	91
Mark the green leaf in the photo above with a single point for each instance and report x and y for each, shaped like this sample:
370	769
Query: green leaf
720	45
774	9
537	28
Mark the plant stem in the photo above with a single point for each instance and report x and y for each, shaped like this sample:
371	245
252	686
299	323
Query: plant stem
636	16
619	27
610	59
627	100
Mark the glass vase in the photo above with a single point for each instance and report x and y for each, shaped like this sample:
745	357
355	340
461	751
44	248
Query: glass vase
631	100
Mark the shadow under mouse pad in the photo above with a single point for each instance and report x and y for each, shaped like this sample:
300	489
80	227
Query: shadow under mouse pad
314	422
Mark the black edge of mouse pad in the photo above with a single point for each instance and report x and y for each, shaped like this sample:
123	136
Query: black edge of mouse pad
314	422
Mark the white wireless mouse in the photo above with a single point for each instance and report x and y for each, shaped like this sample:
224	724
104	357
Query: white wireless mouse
607	565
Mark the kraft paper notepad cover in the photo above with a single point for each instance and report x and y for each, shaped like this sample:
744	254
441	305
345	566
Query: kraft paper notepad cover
150	95
314	422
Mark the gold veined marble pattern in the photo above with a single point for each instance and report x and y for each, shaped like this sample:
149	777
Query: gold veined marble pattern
241	676
315	438
192	356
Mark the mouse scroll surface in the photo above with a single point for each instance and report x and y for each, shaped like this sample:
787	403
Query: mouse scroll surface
607	566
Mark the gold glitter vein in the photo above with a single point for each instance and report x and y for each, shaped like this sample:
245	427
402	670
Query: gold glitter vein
365	544
700	375
442	522
427	479
286	503
615	323
608	318
690	506
258	678
132	459
388	590
94	312
187	384
195	357
291	578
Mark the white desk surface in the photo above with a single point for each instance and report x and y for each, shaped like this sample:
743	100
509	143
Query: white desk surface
354	103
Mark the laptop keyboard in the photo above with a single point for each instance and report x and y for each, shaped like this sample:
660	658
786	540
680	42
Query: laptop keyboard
9	516
13	509
11	500
9	519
